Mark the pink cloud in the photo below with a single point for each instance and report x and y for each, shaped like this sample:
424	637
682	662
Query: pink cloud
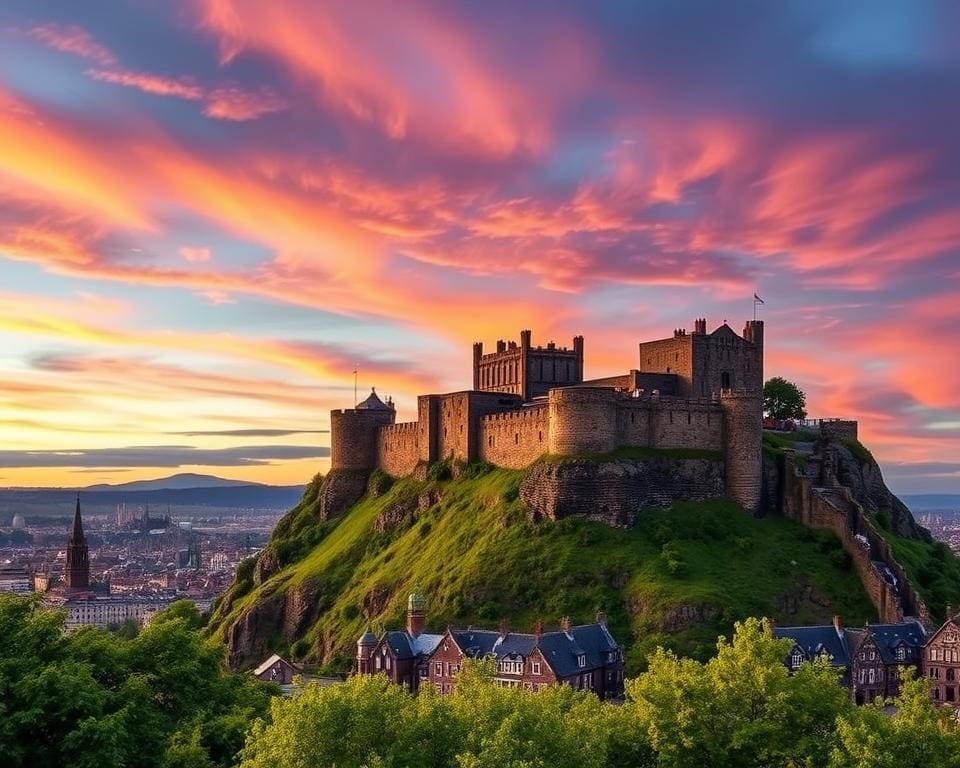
181	88
233	103
72	39
194	253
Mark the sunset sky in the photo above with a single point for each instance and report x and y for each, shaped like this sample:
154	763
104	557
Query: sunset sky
211	211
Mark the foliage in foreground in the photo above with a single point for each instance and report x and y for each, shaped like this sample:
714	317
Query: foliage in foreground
740	709
94	698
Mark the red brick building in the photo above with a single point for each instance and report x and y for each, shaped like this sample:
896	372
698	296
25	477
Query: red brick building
585	656
941	661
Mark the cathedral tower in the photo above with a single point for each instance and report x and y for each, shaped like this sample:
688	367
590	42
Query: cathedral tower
77	571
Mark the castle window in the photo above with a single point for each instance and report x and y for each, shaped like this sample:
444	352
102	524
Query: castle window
516	439
540	436
725	380
689	417
490	441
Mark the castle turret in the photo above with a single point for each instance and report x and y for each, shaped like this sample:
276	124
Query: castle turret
365	645
582	419
416	614
753	332
353	433
742	435
477	355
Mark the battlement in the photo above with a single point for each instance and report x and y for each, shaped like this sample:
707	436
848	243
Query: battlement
699	391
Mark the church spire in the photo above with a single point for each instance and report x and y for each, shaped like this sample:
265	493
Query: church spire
77	570
77	535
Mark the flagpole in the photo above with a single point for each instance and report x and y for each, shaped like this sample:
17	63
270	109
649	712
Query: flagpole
356	370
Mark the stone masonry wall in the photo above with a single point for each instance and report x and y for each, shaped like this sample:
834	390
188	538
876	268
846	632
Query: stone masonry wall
615	492
835	510
398	448
514	439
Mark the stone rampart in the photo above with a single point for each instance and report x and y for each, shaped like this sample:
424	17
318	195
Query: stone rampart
835	509
398	448
615	492
514	439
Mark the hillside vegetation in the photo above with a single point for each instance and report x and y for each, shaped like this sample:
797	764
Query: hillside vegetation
678	578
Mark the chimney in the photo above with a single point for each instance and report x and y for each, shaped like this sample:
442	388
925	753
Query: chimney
504	628
416	614
538	629
601	618
565	624
837	625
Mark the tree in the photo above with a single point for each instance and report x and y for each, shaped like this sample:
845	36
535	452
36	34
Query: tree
783	399
93	698
919	733
740	709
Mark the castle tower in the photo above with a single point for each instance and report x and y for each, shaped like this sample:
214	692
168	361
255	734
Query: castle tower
416	614
365	646
742	437
354	432
582	420
77	570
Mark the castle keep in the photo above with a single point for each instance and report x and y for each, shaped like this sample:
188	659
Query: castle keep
699	390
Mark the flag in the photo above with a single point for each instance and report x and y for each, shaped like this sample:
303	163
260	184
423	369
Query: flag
757	299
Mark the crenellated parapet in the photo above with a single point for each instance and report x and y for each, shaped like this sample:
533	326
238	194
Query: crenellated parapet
693	391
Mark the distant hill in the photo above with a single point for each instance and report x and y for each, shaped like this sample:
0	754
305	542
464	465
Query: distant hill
182	490
175	482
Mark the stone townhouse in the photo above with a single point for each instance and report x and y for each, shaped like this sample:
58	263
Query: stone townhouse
941	661
869	659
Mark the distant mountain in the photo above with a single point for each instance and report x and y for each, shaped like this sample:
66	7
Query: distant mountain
182	481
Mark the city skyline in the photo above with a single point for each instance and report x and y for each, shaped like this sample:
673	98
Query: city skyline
212	217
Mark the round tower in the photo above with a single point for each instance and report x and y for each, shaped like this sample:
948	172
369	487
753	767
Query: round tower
582	419
742	438
354	431
365	645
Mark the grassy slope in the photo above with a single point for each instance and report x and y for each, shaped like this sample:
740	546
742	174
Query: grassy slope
478	558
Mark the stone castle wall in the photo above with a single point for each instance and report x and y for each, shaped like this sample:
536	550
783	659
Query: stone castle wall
835	509
514	439
398	448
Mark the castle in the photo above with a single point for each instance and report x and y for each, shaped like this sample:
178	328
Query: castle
694	390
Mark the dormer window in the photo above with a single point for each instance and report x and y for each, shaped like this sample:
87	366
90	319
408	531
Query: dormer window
901	653
796	660
581	661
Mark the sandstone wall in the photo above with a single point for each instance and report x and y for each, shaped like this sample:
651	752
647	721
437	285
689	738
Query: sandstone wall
514	439
398	448
582	420
354	437
742	446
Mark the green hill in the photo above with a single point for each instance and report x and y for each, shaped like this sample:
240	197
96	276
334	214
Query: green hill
678	578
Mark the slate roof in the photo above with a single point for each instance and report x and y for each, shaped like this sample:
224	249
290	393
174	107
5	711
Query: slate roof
812	641
889	637
373	403
560	649
406	647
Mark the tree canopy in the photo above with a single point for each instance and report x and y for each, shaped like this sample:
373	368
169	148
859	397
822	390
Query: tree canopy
783	399
159	697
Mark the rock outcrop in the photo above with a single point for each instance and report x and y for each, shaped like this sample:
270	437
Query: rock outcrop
615	492
341	489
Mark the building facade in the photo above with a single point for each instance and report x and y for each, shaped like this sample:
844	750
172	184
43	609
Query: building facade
869	659
941	661
586	656
699	391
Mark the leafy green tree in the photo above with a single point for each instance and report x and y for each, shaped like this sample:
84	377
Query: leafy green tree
741	708
93	698
783	399
918	733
